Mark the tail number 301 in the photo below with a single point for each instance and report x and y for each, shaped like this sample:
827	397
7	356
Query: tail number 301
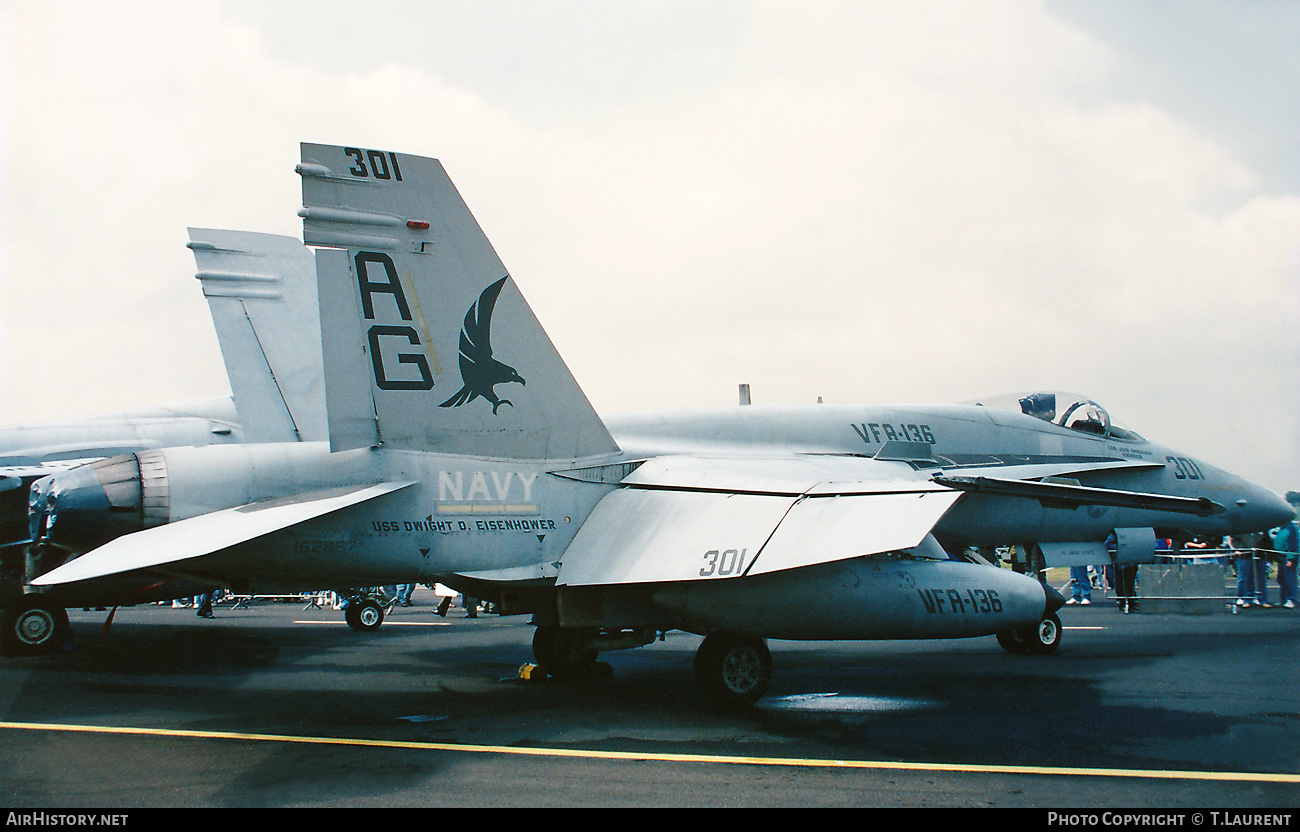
724	562
376	163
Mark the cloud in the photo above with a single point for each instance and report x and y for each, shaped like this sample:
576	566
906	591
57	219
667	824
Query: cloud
863	201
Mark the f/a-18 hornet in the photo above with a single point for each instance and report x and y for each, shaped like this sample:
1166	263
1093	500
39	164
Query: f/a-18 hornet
461	449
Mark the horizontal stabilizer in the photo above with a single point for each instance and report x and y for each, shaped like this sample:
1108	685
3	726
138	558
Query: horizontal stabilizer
690	519
1058	495
197	536
68	455
21	474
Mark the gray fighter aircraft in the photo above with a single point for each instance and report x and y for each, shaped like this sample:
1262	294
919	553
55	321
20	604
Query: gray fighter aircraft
492	472
261	293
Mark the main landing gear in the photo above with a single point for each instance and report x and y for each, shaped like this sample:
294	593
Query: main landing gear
565	653
732	671
32	628
365	615
1040	639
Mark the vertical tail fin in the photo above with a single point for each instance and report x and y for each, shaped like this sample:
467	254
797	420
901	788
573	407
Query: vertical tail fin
261	291
428	344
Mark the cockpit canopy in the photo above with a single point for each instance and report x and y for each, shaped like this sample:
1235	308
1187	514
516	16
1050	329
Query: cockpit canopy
1067	410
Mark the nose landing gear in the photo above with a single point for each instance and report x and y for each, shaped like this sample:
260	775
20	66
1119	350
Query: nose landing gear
1040	639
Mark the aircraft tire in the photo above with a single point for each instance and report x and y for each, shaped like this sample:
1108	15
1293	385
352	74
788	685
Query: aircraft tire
1045	637
33	629
1039	640
365	615
1013	641
732	671
563	652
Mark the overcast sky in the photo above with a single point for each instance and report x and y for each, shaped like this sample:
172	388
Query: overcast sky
864	201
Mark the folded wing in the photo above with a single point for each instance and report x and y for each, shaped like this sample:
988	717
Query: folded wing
690	519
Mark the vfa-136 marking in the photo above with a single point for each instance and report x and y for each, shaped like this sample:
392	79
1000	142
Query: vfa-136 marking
877	433
817	539
961	601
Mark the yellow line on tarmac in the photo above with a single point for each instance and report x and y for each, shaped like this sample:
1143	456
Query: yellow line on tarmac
1230	776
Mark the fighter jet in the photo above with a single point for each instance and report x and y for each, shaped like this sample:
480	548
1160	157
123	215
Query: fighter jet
740	525
261	293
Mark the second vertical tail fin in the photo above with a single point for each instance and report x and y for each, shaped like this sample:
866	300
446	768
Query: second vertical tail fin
261	291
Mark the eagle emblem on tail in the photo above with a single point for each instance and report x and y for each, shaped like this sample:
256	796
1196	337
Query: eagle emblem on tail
479	371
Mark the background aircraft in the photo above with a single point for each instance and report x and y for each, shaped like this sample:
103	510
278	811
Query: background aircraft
461	449
261	293
28	453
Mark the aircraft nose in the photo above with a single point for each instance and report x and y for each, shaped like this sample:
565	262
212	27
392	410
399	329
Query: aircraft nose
1261	509
82	508
1055	600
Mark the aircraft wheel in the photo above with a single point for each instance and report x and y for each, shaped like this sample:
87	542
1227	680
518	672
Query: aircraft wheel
364	615
1039	640
563	652
732	671
1013	641
1045	637
33	629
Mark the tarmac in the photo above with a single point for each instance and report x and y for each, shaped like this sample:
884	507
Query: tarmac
280	706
